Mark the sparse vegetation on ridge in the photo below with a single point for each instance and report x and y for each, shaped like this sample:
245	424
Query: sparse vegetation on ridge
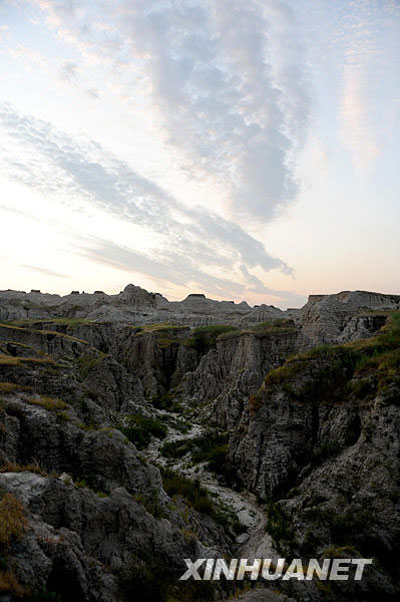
166	334
51	404
363	367
204	338
10	360
7	387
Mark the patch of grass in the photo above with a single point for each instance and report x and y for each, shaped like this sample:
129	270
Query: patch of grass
139	429
62	417
157	327
37	360
32	467
10	585
277	326
363	367
363	387
10	360
166	334
13	522
55	333
51	404
160	328
284	373
379	357
204	338
70	322
6	387
81	483
16	346
13	326
88	482
274	327
255	402
341	552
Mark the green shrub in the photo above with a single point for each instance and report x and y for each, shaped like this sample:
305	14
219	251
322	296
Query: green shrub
139	429
198	498
191	491
166	402
44	596
278	525
210	447
205	337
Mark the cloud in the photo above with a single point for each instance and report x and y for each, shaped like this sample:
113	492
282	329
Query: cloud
69	71
43	271
368	68
175	269
93	92
191	246
208	67
226	78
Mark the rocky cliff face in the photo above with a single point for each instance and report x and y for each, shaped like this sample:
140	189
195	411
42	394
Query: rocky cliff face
345	316
319	442
135	432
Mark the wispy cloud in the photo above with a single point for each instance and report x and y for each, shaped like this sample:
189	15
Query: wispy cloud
42	270
224	105
190	244
69	71
367	65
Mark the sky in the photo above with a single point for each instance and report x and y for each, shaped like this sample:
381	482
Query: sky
246	149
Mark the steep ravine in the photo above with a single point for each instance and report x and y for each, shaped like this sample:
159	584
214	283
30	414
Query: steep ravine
290	449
